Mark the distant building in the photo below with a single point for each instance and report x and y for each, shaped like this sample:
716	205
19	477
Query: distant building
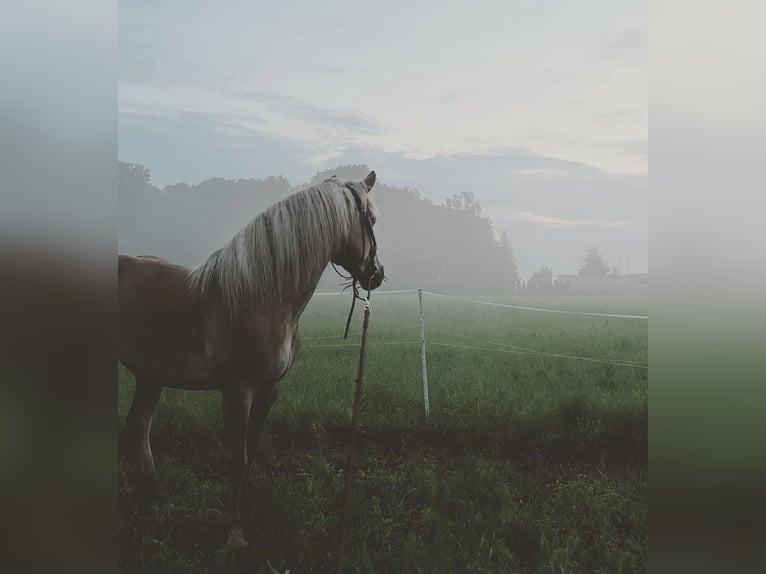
635	279
604	283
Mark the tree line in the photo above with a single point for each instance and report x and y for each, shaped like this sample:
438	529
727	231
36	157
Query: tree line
449	247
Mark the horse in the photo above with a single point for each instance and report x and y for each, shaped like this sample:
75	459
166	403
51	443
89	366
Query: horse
231	322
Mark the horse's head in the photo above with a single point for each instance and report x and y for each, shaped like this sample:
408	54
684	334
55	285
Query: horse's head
359	253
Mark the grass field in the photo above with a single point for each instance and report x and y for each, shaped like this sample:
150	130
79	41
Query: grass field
527	463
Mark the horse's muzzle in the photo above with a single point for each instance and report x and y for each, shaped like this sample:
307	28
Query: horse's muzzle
374	280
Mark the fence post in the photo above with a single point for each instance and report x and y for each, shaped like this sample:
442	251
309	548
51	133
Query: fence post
423	353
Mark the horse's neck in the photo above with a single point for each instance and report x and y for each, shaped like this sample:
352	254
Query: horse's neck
301	295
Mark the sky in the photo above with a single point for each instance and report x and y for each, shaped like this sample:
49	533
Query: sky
539	108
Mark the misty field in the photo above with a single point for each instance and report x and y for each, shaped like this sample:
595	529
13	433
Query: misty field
528	462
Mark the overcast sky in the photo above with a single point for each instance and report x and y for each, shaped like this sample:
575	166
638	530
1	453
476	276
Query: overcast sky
547	99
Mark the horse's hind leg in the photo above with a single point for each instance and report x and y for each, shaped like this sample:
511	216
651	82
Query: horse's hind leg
236	412
139	423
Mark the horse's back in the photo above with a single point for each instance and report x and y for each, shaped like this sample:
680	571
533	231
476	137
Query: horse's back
161	322
171	331
154	282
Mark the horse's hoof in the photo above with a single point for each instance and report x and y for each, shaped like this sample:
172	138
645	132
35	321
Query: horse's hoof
237	539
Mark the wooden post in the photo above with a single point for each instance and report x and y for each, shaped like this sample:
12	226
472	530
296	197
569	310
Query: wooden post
423	353
345	516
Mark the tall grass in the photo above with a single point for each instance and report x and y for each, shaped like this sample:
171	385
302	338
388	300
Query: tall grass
526	463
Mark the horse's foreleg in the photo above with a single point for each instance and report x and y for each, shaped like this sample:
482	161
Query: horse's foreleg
139	423
258	411
236	411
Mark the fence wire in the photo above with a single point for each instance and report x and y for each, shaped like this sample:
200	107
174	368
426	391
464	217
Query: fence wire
497	346
526	350
540	309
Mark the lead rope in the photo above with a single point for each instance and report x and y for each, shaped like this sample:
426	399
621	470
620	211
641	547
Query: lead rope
344	521
354	297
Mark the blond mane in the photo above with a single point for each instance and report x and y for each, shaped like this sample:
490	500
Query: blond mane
284	248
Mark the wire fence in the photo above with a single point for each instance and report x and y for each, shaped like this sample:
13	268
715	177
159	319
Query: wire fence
506	348
377	293
399	329
538	309
496	346
487	345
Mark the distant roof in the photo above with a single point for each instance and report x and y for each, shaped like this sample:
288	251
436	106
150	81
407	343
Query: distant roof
572	276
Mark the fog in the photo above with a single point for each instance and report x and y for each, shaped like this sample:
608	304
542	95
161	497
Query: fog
502	156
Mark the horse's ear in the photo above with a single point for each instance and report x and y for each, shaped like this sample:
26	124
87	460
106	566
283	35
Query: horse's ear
369	181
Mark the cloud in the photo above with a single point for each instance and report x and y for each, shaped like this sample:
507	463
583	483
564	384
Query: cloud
619	116
298	109
323	133
555	221
191	146
407	85
628	44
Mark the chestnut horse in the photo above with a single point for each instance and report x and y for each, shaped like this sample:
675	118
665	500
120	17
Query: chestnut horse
231	323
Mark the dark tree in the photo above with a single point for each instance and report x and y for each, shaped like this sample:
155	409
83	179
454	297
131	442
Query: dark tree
464	201
133	175
541	280
354	171
593	264
508	260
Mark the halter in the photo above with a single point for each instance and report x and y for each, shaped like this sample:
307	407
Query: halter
368	269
